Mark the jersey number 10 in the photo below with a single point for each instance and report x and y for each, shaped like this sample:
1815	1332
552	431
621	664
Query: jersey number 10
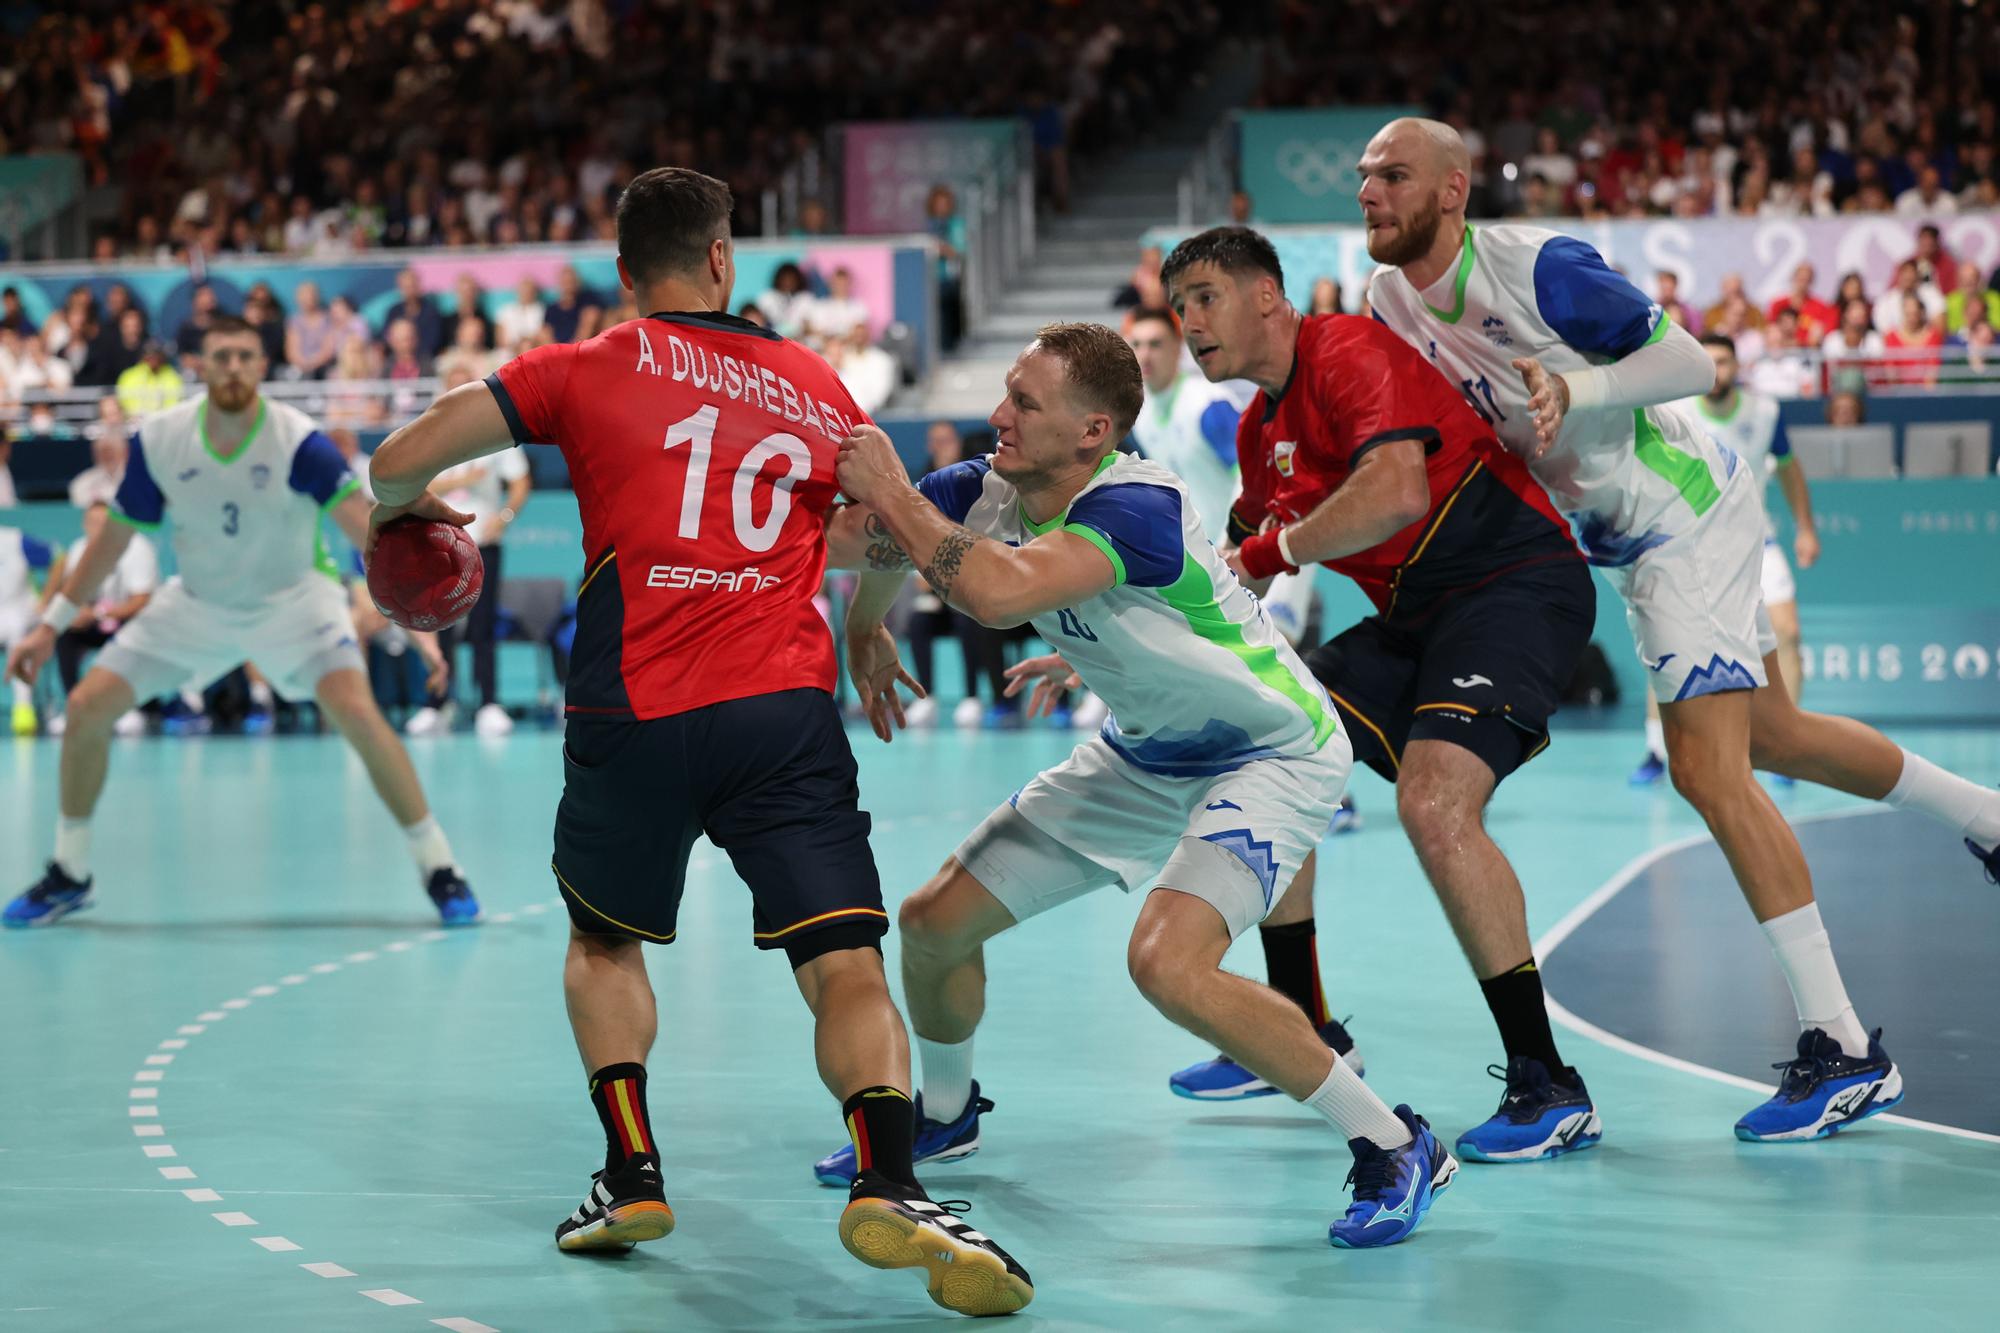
698	431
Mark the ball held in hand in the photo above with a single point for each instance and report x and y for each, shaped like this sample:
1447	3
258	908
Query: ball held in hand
425	575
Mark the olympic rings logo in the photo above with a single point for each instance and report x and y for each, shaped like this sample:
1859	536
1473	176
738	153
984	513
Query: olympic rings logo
1316	168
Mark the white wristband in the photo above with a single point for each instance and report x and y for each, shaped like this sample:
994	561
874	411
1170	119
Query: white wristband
1285	550
1586	389
60	613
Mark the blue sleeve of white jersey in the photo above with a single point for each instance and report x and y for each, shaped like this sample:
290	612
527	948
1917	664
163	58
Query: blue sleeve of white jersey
1138	526
38	553
1591	307
1218	427
955	489
319	470
1781	443
139	501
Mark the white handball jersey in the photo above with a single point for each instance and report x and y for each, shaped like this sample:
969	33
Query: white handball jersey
1754	430
246	527
1198	679
1629	481
21	556
1191	430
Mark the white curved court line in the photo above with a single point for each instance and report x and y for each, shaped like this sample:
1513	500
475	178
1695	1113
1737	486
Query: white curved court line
1638	865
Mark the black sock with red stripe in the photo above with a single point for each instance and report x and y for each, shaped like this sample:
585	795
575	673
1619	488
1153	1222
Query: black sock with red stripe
1291	964
619	1094
883	1125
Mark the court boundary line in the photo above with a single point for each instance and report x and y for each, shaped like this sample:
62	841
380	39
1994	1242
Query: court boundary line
144	1097
1552	939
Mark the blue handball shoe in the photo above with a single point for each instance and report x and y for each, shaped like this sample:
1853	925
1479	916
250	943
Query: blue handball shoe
52	898
937	1141
453	897
1648	773
1823	1091
1988	857
1346	819
1393	1187
1223	1080
1538	1118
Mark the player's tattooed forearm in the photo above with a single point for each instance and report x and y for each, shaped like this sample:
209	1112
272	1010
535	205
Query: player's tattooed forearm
883	551
942	571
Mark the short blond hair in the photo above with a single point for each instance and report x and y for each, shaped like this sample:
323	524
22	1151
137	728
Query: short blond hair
1101	367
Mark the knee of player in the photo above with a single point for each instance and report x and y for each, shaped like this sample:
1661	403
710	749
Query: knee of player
94	704
1431	816
1164	974
1707	781
927	920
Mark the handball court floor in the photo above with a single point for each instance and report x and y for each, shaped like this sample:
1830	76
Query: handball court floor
255	1089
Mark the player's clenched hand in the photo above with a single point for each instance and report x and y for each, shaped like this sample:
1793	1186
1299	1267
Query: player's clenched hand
31	651
877	669
1548	399
1806	547
1051	674
868	465
424	506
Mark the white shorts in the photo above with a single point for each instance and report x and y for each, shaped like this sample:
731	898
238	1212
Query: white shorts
177	641
1694	605
1777	581
16	619
1234	840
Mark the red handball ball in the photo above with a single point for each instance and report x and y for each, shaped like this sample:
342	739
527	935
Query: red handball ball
425	575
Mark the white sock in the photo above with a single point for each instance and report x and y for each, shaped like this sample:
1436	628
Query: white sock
1965	805
1353	1109
946	1067
73	847
429	848
1806	955
260	694
1656	739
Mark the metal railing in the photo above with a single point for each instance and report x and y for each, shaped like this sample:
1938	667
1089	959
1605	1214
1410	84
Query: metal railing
999	212
1203	191
1892	371
361	405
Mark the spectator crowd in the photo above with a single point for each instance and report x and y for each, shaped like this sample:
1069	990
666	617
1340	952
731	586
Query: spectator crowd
1699	108
325	128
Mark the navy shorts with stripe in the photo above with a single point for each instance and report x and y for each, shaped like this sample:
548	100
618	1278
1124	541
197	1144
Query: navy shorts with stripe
1482	668
770	779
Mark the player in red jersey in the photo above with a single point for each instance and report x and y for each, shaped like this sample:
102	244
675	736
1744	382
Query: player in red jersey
702	448
1358	454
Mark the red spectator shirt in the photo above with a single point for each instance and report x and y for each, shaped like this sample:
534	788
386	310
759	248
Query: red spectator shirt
1816	318
1354	386
702	450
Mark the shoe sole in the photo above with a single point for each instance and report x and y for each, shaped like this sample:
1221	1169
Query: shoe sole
960	1277
1549	1150
1875	1107
955	1155
50	918
622	1226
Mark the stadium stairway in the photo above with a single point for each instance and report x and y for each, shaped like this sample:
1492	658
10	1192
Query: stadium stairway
1083	257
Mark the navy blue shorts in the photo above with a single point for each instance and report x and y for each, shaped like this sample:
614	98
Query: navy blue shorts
1483	668
770	779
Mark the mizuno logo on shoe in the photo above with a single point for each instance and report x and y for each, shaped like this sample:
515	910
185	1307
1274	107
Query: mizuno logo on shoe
1849	1100
1567	1133
1467	682
1403	1211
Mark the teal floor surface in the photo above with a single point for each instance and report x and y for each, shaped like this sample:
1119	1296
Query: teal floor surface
255	1089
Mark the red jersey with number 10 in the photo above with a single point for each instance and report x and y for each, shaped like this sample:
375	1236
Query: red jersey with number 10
702	450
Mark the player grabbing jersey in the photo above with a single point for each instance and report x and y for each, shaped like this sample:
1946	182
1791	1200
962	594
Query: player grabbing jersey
700	701
1212	781
1574	367
1749	425
246	480
1358	455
